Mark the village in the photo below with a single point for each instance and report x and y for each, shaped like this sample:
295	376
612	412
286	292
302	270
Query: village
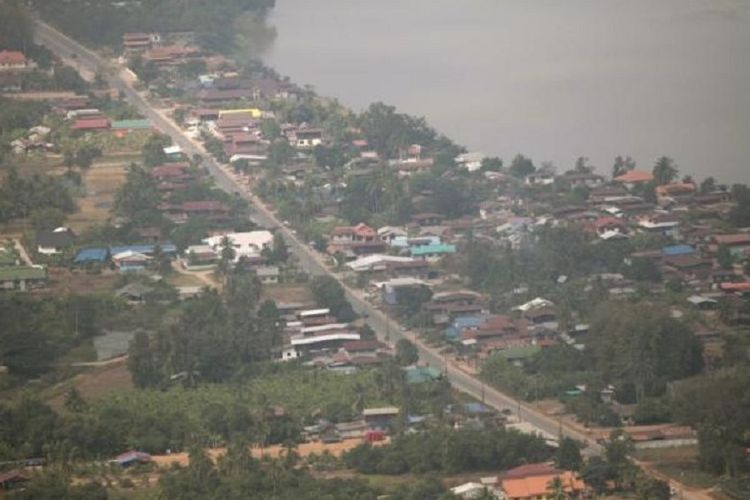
510	270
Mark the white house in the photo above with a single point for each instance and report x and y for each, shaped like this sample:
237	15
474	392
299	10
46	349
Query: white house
248	244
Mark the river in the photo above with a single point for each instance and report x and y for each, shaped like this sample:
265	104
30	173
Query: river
552	79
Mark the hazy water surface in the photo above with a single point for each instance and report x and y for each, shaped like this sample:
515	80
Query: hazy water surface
551	79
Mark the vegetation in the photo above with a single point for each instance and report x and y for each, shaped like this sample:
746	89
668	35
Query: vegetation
450	452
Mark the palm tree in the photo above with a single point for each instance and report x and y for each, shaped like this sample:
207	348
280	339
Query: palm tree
556	489
665	170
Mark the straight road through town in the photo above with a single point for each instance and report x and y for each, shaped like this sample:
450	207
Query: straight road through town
118	78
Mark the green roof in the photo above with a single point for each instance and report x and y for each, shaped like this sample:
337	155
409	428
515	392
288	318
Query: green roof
419	374
433	249
131	124
519	352
22	273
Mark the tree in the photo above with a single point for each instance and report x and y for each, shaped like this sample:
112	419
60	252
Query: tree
138	198
708	185
226	256
665	170
74	402
153	150
622	165
280	253
329	293
724	257
141	363
521	166
641	346
582	165
568	455
556	489
648	488
406	353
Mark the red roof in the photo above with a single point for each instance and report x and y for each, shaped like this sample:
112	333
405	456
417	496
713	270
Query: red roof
732	239
169	170
735	287
12	57
91	124
635	176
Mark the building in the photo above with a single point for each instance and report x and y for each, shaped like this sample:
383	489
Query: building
54	242
22	277
633	177
12	60
534	482
268	275
380	418
247	244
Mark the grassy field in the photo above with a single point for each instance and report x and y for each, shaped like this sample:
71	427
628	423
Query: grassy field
93	384
101	183
288	293
680	463
63	281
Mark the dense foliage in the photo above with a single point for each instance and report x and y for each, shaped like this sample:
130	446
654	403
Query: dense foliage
449	451
20	197
35	332
106	21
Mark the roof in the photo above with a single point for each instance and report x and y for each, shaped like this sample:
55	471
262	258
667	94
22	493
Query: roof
12	57
91	124
635	176
733	239
91	255
131	124
433	249
13	273
677	250
539	486
143	249
420	374
380	412
55	238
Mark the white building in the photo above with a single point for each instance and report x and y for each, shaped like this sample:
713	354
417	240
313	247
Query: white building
248	244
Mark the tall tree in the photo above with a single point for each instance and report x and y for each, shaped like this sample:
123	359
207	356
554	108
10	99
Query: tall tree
665	170
622	165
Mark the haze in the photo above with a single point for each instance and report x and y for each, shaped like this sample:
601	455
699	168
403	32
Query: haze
550	79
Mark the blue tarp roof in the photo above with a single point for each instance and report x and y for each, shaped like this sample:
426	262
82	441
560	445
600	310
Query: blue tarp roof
453	332
476	408
677	250
433	249
91	255
144	249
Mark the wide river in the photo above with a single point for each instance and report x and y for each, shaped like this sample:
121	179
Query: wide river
552	79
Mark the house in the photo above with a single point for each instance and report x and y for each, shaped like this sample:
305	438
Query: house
663	224
199	256
377	262
131	458
470	161
433	251
308	138
392	288
130	125
632	178
210	209
12	478
675	192
130	261
22	277
540	178
533	482
389	233
472	490
54	242
737	243
247	244
350	234
12	60
134	43
380	418
90	125
268	274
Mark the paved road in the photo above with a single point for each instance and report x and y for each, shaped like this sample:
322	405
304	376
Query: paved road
311	261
